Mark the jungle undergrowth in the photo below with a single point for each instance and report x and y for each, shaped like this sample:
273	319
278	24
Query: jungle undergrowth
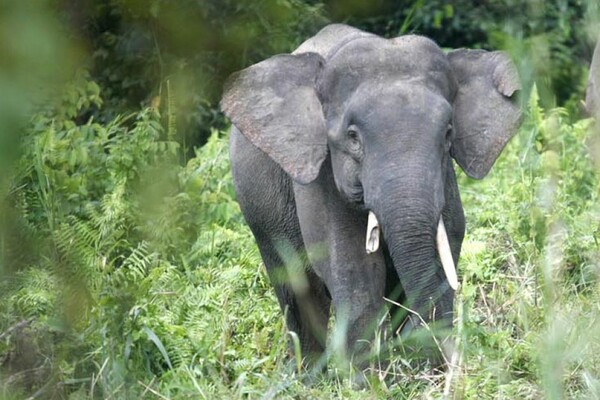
130	275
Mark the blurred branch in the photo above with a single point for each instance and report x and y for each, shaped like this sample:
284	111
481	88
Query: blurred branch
15	327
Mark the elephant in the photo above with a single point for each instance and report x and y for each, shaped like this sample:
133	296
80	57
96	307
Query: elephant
592	96
341	155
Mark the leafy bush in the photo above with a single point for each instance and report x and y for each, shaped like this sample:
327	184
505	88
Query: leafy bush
143	52
530	265
122	254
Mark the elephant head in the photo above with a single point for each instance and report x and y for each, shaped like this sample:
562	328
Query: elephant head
390	114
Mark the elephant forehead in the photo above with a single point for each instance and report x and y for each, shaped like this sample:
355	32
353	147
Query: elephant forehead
406	58
405	95
392	108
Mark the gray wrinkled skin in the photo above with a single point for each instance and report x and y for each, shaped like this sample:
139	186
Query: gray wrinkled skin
351	122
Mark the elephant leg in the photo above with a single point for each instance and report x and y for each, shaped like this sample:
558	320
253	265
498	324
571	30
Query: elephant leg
359	309
334	234
266	199
302	296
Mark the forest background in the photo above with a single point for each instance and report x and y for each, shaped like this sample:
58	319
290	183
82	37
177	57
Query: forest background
126	269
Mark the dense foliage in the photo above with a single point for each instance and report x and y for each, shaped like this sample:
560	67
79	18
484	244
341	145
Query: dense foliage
142	51
126	270
102	214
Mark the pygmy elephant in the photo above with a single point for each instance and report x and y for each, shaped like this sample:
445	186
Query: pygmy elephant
350	136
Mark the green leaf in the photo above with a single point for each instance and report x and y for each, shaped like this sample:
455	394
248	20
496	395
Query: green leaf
156	340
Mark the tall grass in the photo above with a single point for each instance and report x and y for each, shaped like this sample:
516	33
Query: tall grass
530	264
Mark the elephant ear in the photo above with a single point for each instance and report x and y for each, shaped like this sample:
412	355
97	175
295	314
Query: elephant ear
275	105
486	113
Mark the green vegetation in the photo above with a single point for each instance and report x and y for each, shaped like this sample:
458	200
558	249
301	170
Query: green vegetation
126	270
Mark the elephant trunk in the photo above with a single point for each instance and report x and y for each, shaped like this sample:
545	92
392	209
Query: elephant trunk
409	212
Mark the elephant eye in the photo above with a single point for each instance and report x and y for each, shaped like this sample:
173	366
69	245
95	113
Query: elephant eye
353	139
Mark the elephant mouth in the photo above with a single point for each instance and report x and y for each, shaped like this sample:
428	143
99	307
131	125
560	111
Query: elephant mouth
442	247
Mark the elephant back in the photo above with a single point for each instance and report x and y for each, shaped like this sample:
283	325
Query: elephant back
330	39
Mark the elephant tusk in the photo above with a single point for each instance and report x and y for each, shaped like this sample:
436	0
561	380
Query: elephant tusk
372	244
443	247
